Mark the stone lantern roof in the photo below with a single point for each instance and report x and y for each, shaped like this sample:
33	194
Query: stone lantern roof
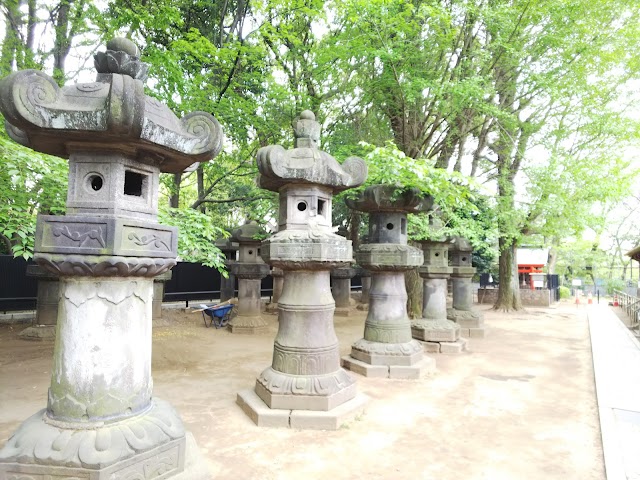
389	198
460	244
306	163
249	233
111	114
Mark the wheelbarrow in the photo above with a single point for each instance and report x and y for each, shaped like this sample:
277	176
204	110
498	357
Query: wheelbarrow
218	315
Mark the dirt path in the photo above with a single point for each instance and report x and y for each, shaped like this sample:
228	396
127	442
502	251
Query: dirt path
520	405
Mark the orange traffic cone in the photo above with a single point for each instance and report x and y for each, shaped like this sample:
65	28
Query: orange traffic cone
590	299
615	300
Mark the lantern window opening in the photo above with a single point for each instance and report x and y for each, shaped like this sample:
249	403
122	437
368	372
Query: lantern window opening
134	183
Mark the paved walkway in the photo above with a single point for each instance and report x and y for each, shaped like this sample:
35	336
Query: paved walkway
616	363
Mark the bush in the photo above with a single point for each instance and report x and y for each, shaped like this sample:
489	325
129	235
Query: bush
565	292
614	284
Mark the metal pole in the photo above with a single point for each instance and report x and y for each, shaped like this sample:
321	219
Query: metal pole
598	291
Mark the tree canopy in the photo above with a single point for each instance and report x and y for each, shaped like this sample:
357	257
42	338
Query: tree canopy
519	117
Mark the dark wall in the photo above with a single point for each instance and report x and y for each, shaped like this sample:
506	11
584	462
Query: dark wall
17	291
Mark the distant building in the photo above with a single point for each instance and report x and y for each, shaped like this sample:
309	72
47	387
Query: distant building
531	262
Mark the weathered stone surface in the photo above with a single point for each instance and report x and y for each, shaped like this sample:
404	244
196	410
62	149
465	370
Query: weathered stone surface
305	373
435	330
101	421
389	198
158	294
434	325
41	443
387	333
250	269
462	308
230	250
113	111
341	289
46	302
88	235
306	164
39	332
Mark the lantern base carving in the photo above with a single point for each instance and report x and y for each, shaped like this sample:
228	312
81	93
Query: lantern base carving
263	416
151	445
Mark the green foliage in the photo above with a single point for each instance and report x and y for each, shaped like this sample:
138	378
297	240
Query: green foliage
196	236
565	292
613	284
30	183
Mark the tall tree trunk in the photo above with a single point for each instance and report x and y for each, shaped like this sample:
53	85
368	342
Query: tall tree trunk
200	182
552	260
174	199
413	283
11	46
509	288
62	42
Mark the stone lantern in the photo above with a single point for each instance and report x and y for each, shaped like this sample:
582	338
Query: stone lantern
439	334
44	323
102	420
471	322
229	249
278	281
305	386
341	284
387	349
250	270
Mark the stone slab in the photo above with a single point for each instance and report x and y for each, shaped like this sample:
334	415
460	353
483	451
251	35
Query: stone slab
364	369
263	416
386	360
458	346
260	413
195	465
435	330
472	332
39	333
333	419
162	462
247	330
424	367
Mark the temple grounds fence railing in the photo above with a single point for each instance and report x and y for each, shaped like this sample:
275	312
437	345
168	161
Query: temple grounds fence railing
189	281
631	305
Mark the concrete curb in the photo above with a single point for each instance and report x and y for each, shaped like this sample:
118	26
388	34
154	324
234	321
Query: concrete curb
616	366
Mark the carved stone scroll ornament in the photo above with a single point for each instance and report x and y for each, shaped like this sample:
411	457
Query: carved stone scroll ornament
103	266
37	111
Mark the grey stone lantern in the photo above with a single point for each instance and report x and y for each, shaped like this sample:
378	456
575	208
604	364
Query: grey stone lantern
159	282
250	269
102	420
278	282
438	333
305	387
471	322
229	249
387	349
43	326
341	284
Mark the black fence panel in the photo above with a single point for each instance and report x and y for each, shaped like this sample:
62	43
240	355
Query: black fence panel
17	291
192	281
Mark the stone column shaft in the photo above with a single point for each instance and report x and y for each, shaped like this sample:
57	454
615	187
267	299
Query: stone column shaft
462	293
102	366
249	291
434	298
387	320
